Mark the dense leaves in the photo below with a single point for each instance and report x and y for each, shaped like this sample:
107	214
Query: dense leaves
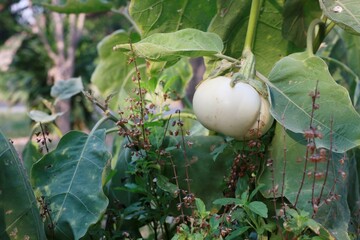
166	182
19	215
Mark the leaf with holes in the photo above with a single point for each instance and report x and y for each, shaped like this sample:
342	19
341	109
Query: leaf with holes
80	6
344	12
19	215
292	79
70	180
172	46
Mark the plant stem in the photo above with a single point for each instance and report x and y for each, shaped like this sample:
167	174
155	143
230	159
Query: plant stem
97	125
328	160
251	30
181	115
138	81
230	59
310	35
303	176
284	167
329	27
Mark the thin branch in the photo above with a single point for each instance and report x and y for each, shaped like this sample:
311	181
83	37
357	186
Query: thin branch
329	159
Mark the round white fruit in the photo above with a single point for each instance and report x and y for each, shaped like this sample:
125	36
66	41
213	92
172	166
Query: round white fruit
239	112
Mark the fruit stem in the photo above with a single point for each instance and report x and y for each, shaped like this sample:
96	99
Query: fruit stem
251	30
247	71
230	59
310	35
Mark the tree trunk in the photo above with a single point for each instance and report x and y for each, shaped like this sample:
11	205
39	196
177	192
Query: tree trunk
63	56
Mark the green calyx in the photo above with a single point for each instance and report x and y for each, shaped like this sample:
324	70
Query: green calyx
247	71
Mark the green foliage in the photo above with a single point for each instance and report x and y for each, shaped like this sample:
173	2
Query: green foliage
292	80
19	215
69	180
335	214
173	46
298	223
169	177
207	173
231	22
152	16
343	12
112	75
298	15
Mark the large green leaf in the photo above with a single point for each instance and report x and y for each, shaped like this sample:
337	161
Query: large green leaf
70	179
292	80
298	15
80	6
344	12
231	23
172	46
19	215
113	73
335	214
153	16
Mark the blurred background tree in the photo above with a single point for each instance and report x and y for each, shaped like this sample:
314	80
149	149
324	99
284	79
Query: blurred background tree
39	47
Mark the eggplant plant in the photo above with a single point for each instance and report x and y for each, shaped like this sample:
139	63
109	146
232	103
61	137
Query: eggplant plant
265	148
